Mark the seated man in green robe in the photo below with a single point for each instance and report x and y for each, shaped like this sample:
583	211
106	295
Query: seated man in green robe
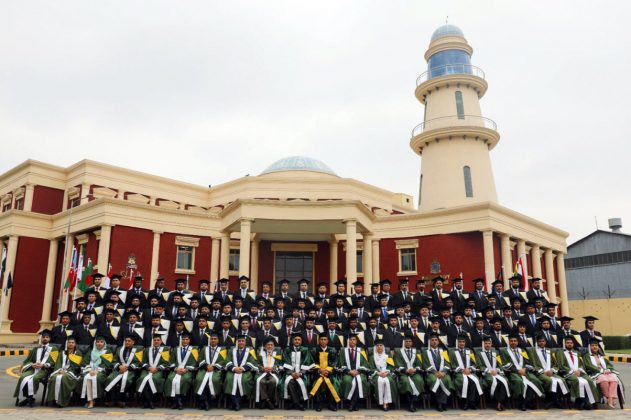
466	383
437	367
325	386
212	359
296	362
571	366
408	362
520	373
240	367
126	365
494	381
354	365
154	367
542	359
183	359
34	369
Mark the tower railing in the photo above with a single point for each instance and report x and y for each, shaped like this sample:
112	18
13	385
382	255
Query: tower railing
454	121
450	69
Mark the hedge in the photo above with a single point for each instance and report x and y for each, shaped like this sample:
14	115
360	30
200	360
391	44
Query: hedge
617	342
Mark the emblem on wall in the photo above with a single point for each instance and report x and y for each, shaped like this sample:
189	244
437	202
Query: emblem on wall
131	262
434	267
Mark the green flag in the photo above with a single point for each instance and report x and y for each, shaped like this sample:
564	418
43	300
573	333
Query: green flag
85	277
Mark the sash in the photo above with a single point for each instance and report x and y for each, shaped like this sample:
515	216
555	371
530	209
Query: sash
519	364
439	382
272	364
546	364
492	365
28	380
295	366
152	363
324	364
357	383
181	363
466	364
65	364
583	385
208	376
237	382
410	365
123	376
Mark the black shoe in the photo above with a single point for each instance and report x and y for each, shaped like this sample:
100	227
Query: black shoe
465	406
31	402
23	403
318	408
332	407
301	407
439	407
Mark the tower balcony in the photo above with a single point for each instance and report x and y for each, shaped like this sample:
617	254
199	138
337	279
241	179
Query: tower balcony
475	127
450	74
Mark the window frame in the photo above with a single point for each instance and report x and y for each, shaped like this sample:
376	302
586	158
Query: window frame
406	245
468	181
459	105
190	242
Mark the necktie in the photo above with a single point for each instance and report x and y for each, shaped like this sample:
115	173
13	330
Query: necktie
409	352
155	353
436	357
309	336
131	328
86	328
269	360
405	296
489	356
459	330
532	319
353	357
414	330
545	357
183	353
572	357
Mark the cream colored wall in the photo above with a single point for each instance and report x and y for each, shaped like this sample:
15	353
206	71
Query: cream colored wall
442	102
443	180
614	314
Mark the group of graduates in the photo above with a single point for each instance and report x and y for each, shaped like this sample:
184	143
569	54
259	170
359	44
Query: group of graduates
448	348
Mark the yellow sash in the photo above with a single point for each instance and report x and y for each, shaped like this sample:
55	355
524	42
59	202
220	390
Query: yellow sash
324	364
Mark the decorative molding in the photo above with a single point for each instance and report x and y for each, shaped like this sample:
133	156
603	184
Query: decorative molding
137	198
74	192
83	238
359	246
406	243
7	198
19	193
294	247
168	204
99	192
187	241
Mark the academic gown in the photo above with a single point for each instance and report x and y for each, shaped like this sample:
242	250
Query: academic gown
544	360
384	389
30	378
176	384
409	384
61	387
431	367
512	364
325	359
240	382
485	364
100	366
462	382
123	382
567	366
595	369
360	363
153	381
211	381
268	384
296	360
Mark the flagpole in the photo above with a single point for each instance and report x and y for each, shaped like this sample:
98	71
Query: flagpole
4	296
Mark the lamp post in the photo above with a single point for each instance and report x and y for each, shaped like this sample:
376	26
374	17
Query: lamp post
63	296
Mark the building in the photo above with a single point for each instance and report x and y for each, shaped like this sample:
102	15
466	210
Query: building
296	219
599	275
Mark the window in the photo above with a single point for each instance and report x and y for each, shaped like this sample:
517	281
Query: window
6	207
19	203
74	202
360	261
468	184
184	258
459	105
420	190
233	260
408	260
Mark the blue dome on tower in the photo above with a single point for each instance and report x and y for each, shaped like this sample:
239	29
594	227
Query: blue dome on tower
299	163
447	30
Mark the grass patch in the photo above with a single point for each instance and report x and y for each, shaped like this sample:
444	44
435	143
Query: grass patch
623	351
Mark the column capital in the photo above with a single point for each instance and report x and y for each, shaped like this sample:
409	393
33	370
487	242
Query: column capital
246	220
487	232
368	236
157	232
503	235
349	221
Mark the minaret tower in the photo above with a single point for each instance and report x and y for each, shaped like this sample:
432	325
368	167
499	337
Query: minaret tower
454	139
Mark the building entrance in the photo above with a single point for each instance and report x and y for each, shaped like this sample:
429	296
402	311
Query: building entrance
293	266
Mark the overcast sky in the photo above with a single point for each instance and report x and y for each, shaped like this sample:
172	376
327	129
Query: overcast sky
207	92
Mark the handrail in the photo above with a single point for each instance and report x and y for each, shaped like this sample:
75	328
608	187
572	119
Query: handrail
454	121
450	69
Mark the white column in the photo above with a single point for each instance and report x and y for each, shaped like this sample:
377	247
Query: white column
120	195
12	250
155	258
214	262
103	256
535	256
85	190
550	277
333	246
367	262
351	252
489	260
29	189
565	306
521	253
375	262
244	247
507	261
254	274
224	268
49	287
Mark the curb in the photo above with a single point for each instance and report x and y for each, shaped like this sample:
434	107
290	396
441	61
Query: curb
622	359
7	353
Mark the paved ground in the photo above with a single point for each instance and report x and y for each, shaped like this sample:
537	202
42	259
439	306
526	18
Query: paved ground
8	410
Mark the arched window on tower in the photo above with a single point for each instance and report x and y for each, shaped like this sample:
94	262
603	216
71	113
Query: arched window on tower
459	105
468	184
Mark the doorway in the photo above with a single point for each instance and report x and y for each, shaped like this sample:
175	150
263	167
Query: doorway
293	266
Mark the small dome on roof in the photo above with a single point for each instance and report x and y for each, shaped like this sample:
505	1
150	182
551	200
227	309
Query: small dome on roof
447	30
298	163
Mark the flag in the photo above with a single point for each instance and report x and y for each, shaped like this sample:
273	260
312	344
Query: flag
131	279
71	280
500	275
520	271
106	281
85	277
9	285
